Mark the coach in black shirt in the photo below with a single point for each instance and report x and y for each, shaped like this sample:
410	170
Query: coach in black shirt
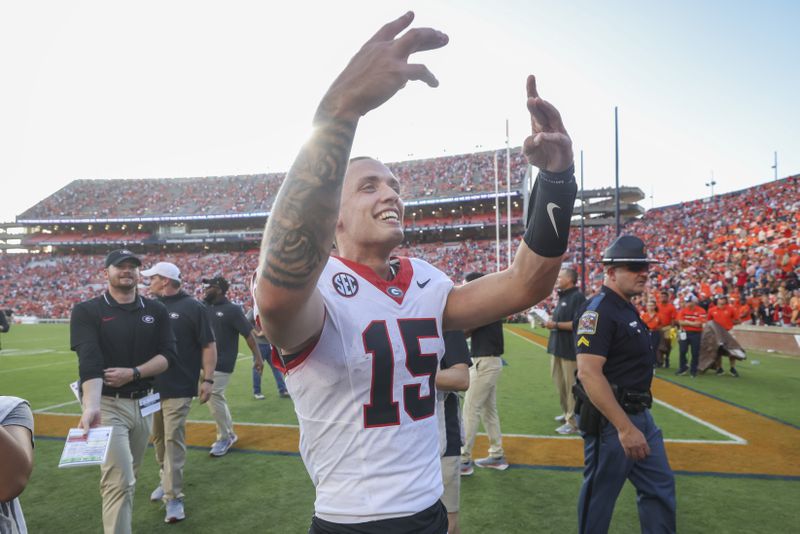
229	322
123	340
480	400
177	386
562	347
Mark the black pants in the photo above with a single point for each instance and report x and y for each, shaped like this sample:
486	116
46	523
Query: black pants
432	520
692	341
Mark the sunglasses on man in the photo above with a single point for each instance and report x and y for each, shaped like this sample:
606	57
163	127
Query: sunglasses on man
636	267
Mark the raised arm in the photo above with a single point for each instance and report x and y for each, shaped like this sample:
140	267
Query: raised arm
533	273
299	233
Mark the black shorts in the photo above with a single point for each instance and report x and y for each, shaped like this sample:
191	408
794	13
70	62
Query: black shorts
432	520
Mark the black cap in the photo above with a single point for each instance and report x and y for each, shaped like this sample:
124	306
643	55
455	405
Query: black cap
218	281
627	249
118	256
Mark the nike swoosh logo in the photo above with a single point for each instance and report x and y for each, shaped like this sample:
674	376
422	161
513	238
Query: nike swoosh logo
550	207
106	319
423	284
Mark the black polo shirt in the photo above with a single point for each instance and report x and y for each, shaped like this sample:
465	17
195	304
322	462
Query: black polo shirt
106	334
192	329
610	326
455	351
487	340
229	322
561	343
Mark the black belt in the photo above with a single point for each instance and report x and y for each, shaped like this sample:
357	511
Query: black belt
634	402
128	394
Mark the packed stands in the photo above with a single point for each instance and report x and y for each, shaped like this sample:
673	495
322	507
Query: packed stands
741	243
225	195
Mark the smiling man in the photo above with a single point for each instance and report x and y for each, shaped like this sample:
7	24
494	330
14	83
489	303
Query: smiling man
360	334
615	357
123	340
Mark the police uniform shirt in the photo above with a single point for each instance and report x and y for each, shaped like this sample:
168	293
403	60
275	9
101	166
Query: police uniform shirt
455	351
228	322
106	334
192	328
609	326
561	343
487	340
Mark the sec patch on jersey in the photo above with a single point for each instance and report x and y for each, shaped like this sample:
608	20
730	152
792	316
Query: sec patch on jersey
587	324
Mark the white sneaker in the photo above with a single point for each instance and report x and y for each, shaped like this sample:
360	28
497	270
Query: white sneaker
493	463
175	511
566	429
259	396
560	419
158	494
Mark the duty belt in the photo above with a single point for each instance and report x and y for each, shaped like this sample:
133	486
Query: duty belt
634	402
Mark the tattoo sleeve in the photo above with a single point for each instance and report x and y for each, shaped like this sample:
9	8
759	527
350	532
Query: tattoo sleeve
299	233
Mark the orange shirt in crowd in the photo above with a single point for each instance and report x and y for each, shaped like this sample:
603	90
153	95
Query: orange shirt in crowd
666	313
745	311
724	315
652	321
695	315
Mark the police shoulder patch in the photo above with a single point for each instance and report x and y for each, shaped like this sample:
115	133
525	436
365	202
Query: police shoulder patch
587	324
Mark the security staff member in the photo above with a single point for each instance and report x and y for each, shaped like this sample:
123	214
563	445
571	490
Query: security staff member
615	369
123	340
562	346
196	348
229	322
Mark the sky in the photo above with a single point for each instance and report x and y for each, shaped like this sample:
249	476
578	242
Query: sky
151	89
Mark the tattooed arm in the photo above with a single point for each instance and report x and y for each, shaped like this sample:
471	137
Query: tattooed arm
300	230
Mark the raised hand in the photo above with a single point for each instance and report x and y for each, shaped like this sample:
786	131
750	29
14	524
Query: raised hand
549	146
381	68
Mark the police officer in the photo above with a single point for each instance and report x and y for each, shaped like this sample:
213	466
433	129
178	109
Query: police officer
615	368
196	348
229	322
123	340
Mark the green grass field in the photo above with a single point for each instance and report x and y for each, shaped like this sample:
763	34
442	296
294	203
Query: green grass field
270	492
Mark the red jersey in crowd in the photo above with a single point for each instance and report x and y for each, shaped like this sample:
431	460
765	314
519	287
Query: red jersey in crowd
696	315
725	316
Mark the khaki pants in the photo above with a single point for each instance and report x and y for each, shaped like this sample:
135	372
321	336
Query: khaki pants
218	406
169	439
451	479
563	374
125	453
481	403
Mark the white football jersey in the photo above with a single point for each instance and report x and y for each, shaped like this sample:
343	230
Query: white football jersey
364	393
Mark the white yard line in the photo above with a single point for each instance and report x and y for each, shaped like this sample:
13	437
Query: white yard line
48	408
734	439
37	366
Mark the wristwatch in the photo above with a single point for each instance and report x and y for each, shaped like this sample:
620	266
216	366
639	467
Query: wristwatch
136	374
208	380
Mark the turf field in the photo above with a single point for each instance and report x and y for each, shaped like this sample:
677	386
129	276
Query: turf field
734	443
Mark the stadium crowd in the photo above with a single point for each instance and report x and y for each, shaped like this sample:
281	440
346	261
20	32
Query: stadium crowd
466	173
745	243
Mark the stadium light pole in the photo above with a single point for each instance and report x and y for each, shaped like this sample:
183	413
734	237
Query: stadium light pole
496	215
775	165
508	194
583	235
711	184
616	168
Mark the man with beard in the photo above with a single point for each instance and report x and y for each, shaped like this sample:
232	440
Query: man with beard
123	340
196	348
229	322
